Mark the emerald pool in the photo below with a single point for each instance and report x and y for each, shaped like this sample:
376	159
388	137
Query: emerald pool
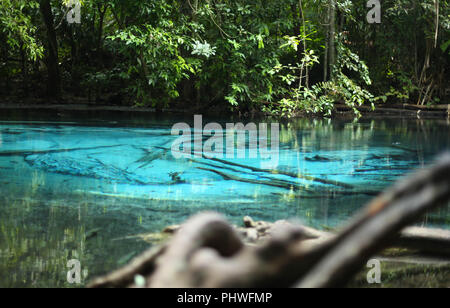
83	189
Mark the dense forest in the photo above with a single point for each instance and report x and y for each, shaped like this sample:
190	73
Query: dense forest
278	57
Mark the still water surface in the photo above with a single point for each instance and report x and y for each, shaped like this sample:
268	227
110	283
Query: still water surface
84	189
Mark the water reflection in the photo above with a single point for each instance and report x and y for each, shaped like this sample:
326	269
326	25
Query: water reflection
81	190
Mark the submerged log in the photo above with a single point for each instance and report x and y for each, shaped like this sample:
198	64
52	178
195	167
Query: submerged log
290	174
275	172
55	151
207	252
272	182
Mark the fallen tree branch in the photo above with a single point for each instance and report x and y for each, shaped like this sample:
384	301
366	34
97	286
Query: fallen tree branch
207	251
432	241
378	224
142	265
277	172
290	174
272	182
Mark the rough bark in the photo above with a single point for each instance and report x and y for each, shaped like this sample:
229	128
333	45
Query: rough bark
54	76
432	241
378	225
332	35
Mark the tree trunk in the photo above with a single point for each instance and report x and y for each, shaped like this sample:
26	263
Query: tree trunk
331	42
24	69
102	12
305	47
296	30
54	76
327	50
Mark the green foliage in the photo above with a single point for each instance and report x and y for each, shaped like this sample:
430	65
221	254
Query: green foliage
320	98
16	25
158	59
246	56
409	56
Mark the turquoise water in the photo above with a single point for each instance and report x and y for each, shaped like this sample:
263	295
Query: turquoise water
83	189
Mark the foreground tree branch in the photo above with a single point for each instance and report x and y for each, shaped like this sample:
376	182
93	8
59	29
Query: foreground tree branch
432	241
207	251
379	224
